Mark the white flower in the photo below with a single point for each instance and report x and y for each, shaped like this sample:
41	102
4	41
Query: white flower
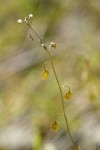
20	21
25	20
30	16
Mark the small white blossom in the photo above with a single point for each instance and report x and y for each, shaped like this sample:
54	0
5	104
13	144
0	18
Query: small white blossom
44	46
30	16
25	20
20	21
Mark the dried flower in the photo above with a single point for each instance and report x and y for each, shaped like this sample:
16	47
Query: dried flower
20	21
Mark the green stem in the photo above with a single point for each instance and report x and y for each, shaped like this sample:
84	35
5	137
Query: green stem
66	120
62	99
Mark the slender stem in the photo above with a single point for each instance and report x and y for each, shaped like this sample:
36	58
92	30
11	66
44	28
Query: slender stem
34	32
66	120
62	99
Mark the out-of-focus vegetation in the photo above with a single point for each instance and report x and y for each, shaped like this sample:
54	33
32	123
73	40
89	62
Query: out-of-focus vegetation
27	103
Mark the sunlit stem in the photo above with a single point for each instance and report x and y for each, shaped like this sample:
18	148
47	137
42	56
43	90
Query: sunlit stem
62	99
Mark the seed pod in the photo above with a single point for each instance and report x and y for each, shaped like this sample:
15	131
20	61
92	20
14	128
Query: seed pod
68	95
54	126
53	45
45	74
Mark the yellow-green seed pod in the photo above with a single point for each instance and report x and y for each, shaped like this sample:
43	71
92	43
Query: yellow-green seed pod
68	95
53	45
54	126
45	74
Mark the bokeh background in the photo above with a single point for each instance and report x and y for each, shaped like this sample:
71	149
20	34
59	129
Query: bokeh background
27	103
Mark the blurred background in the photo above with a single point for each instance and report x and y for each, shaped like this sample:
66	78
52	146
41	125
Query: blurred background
27	103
